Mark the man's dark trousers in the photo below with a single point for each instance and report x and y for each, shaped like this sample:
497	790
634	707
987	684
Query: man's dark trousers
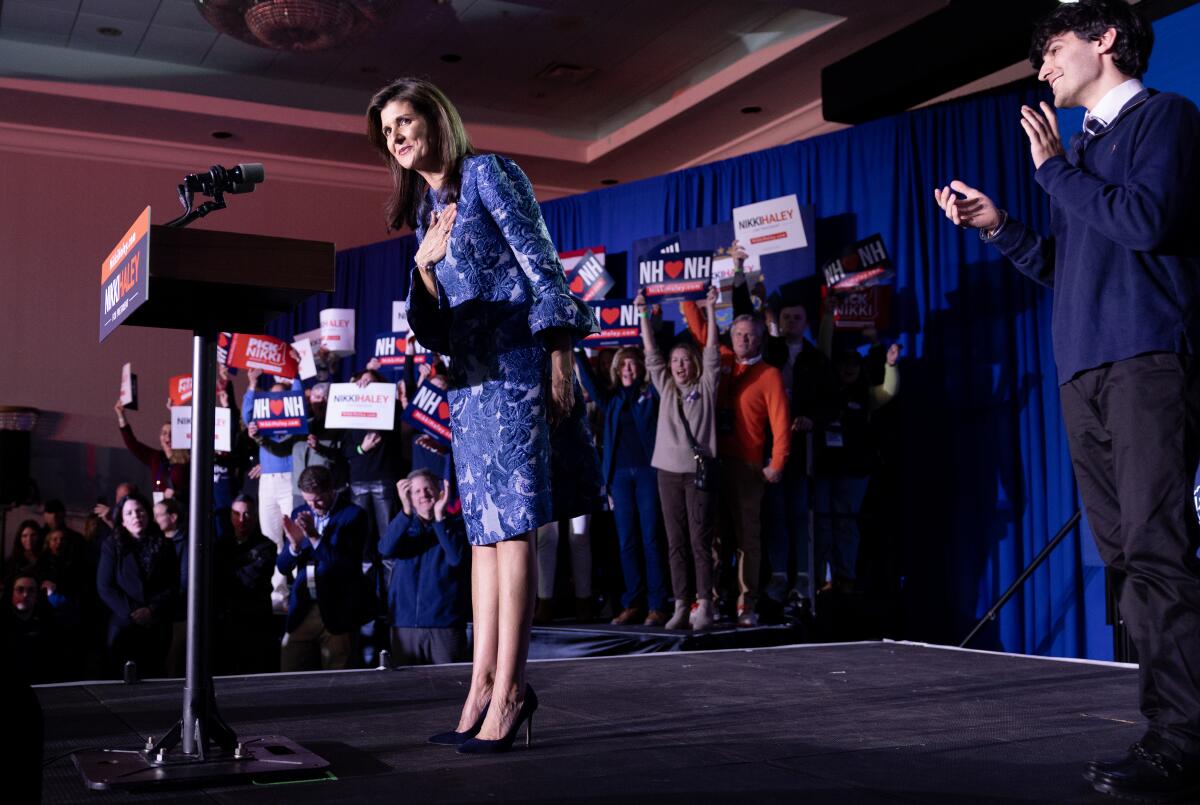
1134	432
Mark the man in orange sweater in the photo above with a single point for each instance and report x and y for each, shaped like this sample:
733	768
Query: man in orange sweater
751	399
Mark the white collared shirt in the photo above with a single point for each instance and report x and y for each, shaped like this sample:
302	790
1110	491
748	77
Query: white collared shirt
1113	102
749	361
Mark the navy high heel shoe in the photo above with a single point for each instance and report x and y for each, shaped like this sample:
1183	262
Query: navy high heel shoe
454	738
479	746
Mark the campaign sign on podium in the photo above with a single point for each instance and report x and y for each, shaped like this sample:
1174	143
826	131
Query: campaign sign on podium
125	276
619	326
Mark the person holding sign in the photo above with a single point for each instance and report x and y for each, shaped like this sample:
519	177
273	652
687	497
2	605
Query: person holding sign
630	408
168	467
686	440
488	291
1123	261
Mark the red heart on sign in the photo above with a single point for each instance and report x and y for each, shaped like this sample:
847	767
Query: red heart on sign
443	411
276	407
610	314
673	268
577	284
850	261
400	346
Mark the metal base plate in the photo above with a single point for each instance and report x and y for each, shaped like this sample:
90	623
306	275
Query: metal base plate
267	757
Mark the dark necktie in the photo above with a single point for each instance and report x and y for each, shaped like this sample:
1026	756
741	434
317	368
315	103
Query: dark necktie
1080	140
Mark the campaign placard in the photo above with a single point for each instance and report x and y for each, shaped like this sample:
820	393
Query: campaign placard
280	413
262	352
390	349
588	280
429	411
862	265
673	277
572	258
129	395
619	325
181	429
125	276
312	336
179	389
223	341
863	308
308	365
370	407
399	316
771	226
337	330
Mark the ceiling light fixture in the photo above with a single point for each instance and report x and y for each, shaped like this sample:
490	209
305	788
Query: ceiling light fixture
299	25
222	135
751	110
108	30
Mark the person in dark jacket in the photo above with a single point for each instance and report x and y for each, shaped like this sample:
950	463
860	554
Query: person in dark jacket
138	581
844	457
322	552
428	598
246	639
1124	264
630	427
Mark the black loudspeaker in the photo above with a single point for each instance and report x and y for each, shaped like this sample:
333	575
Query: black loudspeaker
14	466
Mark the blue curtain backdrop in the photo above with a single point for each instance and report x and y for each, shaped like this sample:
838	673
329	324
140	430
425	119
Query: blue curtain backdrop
987	480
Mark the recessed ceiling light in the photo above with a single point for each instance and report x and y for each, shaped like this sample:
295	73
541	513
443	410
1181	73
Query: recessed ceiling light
108	30
609	181
451	58
222	135
751	110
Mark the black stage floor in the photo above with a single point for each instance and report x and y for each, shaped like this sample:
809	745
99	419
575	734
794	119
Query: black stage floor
850	723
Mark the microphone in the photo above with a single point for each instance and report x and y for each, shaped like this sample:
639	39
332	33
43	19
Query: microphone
238	179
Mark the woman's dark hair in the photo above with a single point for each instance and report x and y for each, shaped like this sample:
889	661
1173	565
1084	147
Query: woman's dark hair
447	138
1089	19
119	515
17	555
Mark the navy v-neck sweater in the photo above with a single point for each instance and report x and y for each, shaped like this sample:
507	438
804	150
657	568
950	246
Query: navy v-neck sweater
1124	253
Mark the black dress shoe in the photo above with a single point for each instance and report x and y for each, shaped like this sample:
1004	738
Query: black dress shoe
1150	777
1094	768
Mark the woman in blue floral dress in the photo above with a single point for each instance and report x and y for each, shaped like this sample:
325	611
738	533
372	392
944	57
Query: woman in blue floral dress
488	292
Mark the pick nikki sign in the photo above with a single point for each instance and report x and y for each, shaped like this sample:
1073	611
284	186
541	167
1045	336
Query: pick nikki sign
280	413
390	350
674	277
429	411
589	280
619	325
262	352
179	389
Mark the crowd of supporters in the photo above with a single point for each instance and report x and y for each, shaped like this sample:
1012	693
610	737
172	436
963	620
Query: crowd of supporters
335	545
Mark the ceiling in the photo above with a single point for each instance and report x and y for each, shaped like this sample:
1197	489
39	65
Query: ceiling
580	91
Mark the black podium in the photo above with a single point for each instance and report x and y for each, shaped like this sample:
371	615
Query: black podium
206	282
